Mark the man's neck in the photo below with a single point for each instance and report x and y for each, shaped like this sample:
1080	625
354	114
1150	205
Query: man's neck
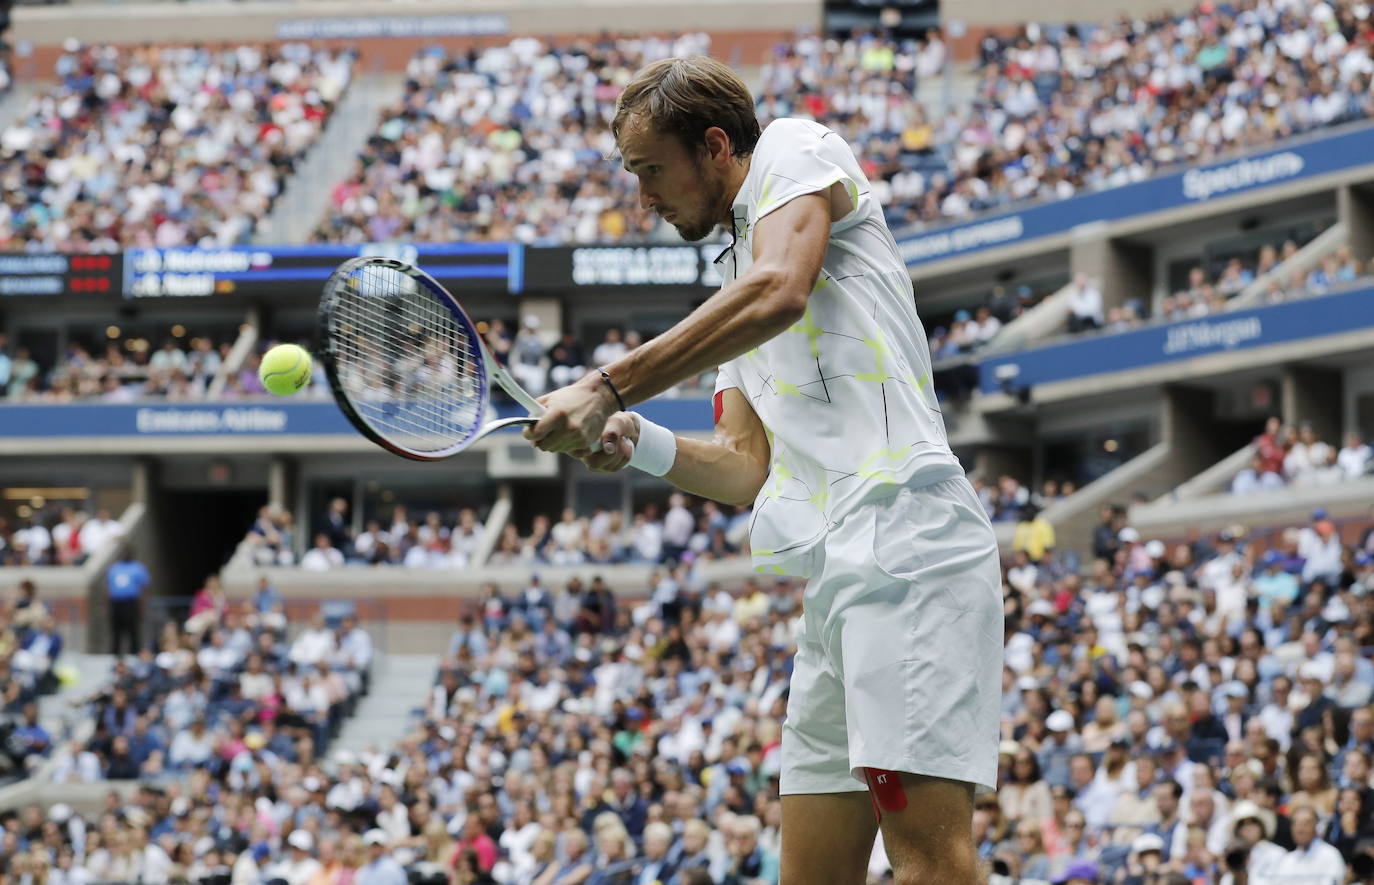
739	171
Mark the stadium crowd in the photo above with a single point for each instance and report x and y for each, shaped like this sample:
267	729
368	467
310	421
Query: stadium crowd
490	144
682	534
508	142
1179	713
69	537
1282	456
162	146
184	369
1059	111
121	372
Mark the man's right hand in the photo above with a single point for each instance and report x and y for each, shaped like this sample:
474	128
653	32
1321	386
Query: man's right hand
618	442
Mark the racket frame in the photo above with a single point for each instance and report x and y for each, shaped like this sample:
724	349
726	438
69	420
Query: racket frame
491	370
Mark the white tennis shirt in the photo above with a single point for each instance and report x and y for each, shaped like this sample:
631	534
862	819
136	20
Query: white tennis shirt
845	394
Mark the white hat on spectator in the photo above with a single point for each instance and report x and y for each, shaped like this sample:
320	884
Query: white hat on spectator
312	784
1040	607
1142	690
1310	670
1008	748
1152	596
1155	548
60	813
1059	720
1147	842
531	321
1128	535
375	836
1028	683
447	732
300	840
1247	810
1335	611
345	757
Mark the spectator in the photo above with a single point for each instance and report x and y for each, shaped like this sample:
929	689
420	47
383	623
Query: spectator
1255	478
609	350
1085	304
323	556
529	362
1034	534
1354	457
1311	856
125	582
94	534
381	867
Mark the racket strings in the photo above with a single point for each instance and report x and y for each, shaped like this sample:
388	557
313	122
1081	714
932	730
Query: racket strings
409	368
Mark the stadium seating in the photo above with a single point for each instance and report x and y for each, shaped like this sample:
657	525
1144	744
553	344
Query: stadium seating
509	142
652	725
172	146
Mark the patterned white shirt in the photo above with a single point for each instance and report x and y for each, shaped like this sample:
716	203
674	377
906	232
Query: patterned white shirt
845	394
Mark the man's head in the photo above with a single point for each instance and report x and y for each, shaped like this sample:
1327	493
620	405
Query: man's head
1166	796
683	125
741	835
1081	771
1304	820
658	838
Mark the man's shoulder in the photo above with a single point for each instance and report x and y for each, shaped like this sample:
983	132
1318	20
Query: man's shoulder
782	138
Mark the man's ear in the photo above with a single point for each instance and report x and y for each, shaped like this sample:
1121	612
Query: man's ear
718	148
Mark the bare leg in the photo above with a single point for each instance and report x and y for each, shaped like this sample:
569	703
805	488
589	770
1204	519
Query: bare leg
827	838
930	841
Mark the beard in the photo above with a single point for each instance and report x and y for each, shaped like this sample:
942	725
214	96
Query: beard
701	227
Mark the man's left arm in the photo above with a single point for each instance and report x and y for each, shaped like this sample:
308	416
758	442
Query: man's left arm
789	247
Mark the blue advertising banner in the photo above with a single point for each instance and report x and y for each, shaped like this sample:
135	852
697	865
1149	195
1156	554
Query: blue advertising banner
256	418
1196	185
1241	330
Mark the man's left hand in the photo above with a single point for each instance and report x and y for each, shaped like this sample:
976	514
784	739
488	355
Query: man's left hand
574	417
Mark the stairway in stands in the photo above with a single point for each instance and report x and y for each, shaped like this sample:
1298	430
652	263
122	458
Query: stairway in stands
400	684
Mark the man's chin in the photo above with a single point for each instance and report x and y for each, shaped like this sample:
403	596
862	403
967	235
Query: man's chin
693	234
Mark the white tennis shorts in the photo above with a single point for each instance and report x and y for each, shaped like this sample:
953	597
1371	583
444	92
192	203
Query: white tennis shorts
899	653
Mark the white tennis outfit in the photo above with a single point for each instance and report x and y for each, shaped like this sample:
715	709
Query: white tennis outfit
899	658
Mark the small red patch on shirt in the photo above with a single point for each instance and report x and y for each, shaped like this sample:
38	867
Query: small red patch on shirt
886	787
718	405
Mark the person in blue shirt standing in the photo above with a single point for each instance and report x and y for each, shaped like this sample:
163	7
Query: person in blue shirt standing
126	580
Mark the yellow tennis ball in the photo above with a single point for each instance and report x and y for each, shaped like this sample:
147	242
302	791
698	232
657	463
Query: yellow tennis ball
285	369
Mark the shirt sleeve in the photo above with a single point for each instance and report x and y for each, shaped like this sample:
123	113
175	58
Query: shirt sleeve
805	159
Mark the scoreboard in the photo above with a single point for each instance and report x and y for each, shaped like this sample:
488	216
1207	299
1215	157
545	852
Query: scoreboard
51	273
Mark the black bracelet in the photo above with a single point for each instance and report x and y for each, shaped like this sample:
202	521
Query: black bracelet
609	383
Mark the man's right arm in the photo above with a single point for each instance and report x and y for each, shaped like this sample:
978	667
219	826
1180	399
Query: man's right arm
730	468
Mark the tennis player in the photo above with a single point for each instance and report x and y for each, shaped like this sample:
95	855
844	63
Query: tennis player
825	419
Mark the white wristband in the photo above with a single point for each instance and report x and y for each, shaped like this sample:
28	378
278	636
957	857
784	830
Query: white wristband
656	450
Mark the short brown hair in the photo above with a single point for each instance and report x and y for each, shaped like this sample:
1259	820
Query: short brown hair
683	97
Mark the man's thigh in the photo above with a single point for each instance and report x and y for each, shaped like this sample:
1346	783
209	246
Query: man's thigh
827	838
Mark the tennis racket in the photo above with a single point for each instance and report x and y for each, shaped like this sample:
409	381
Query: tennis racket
406	364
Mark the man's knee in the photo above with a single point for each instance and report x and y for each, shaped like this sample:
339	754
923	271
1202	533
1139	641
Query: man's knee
930	863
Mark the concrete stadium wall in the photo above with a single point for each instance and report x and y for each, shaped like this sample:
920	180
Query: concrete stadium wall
742	33
999	13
